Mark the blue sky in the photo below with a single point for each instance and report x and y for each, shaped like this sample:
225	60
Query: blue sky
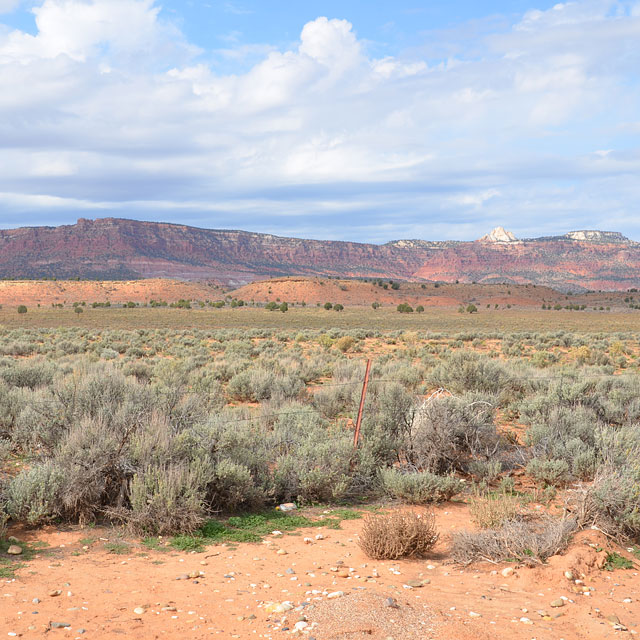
365	121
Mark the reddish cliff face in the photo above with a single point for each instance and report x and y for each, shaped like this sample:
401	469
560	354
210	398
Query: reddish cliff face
127	249
112	248
555	262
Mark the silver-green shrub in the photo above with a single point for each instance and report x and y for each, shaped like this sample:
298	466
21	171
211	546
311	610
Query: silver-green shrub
418	487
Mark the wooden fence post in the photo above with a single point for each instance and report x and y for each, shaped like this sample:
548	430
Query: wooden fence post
356	437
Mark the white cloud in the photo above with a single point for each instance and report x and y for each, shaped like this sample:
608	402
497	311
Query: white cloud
330	42
107	103
81	29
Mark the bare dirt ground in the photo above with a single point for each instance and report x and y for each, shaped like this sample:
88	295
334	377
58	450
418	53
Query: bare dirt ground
296	290
47	292
354	292
238	591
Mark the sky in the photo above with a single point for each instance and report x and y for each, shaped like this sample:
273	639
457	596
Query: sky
354	120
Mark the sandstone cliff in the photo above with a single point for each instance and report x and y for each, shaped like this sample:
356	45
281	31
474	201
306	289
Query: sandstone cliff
126	249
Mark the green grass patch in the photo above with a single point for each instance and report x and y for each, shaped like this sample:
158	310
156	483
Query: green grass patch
10	564
616	561
117	548
346	514
153	544
188	543
254	527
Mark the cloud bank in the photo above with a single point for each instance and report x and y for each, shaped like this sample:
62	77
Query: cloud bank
108	110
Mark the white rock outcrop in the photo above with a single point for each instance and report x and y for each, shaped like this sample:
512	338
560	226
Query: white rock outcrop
499	234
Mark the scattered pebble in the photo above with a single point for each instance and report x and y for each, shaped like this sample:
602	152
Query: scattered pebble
299	627
278	607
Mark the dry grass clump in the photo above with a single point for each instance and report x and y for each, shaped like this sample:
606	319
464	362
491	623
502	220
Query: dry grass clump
493	510
398	535
345	343
525	541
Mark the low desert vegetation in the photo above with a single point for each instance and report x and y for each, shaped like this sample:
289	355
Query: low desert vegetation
163	431
520	540
398	535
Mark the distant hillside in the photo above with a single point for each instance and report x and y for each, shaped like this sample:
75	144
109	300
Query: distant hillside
350	293
116	249
45	293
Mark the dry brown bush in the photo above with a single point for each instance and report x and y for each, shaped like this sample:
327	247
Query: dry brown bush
526	541
345	343
398	535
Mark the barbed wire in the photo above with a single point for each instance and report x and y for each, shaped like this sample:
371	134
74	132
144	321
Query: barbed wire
437	393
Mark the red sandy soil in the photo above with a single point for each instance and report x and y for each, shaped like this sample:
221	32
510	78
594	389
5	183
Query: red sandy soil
46	292
99	591
309	290
355	292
